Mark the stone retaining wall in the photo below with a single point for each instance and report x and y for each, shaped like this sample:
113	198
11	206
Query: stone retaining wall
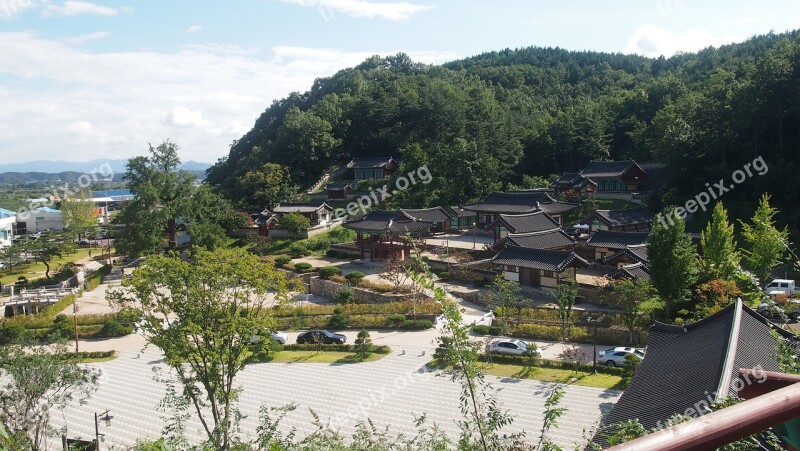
328	288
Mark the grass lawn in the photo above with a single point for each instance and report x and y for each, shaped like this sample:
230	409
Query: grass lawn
36	270
322	357
599	380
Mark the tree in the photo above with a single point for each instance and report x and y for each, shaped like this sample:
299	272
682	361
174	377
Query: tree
78	215
48	247
393	270
566	294
635	300
506	294
363	344
765	244
720	257
295	223
38	381
265	186
162	194
672	260
202	314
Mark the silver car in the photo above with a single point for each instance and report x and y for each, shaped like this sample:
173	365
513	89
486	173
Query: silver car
616	356
509	346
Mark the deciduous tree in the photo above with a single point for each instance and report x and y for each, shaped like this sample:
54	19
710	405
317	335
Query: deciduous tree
672	260
765	244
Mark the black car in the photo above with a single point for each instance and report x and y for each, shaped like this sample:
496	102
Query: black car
325	336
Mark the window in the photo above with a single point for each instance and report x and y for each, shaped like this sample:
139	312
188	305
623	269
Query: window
548	274
509	268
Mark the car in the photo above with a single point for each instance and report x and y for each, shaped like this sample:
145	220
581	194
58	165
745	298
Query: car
321	335
509	346
616	356
790	310
784	287
280	337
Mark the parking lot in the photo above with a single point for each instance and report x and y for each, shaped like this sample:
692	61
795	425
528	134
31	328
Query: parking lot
388	392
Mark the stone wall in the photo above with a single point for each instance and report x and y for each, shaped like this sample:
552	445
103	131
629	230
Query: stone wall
328	288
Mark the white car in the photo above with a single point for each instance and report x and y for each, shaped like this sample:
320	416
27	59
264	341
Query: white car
280	337
509	346
616	356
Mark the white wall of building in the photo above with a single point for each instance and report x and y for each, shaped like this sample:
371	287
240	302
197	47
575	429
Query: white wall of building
7	230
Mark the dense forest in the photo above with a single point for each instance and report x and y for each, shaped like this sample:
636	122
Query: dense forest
482	123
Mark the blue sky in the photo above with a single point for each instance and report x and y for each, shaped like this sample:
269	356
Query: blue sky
84	80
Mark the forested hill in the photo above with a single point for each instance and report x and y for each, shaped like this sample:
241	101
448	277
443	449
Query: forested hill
482	123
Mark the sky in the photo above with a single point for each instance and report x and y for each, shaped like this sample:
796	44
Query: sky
84	80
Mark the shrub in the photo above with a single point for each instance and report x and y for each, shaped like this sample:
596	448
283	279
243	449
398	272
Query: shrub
338	320
295	223
297	249
363	344
482	282
396	318
419	324
282	260
333	253
302	267
11	333
355	277
382	349
344	295
444	275
114	328
482	329
62	326
326	272
128	316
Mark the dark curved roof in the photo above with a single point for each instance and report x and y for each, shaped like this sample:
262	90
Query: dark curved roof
608	168
689	366
629	216
370	163
387	222
546	260
518	202
617	240
433	214
550	239
574	180
635	253
301	207
636	271
530	222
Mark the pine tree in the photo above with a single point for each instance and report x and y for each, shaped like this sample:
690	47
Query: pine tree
720	257
765	243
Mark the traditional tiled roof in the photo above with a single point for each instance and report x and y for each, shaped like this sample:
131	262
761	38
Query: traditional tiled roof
617	240
635	253
526	223
630	216
691	366
387	222
263	217
301	207
601	169
636	271
546	260
434	214
460	212
573	180
550	239
518	202
370	163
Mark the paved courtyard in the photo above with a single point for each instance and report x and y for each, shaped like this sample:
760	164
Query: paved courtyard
388	391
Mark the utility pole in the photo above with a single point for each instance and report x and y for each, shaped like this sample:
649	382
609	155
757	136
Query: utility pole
75	322
594	345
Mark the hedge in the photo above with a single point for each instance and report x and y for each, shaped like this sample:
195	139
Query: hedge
382	349
608	336
94	279
559	364
550	315
483	329
353	322
423	308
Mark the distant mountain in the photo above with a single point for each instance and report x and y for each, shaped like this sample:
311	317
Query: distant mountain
99	166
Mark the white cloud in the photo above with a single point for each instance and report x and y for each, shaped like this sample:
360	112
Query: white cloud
180	116
11	8
194	29
396	11
77	8
84	38
651	40
113	103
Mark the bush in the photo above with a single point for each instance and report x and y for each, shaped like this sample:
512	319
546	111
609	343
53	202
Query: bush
355	277
396	318
363	344
326	272
483	329
482	282
382	349
419	324
338	320
282	260
114	328
62	326
333	253
344	295
297	249
129	316
302	267
11	333
444	275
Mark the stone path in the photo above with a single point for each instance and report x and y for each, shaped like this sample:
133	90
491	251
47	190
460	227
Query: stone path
388	392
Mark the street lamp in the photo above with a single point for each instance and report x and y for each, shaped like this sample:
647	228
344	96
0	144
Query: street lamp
107	420
594	344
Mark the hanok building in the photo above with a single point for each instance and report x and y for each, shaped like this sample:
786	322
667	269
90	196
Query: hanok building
636	219
318	213
573	184
636	271
628	256
462	219
516	203
385	234
526	223
615	175
539	268
339	190
373	168
689	367
437	215
554	239
606	243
